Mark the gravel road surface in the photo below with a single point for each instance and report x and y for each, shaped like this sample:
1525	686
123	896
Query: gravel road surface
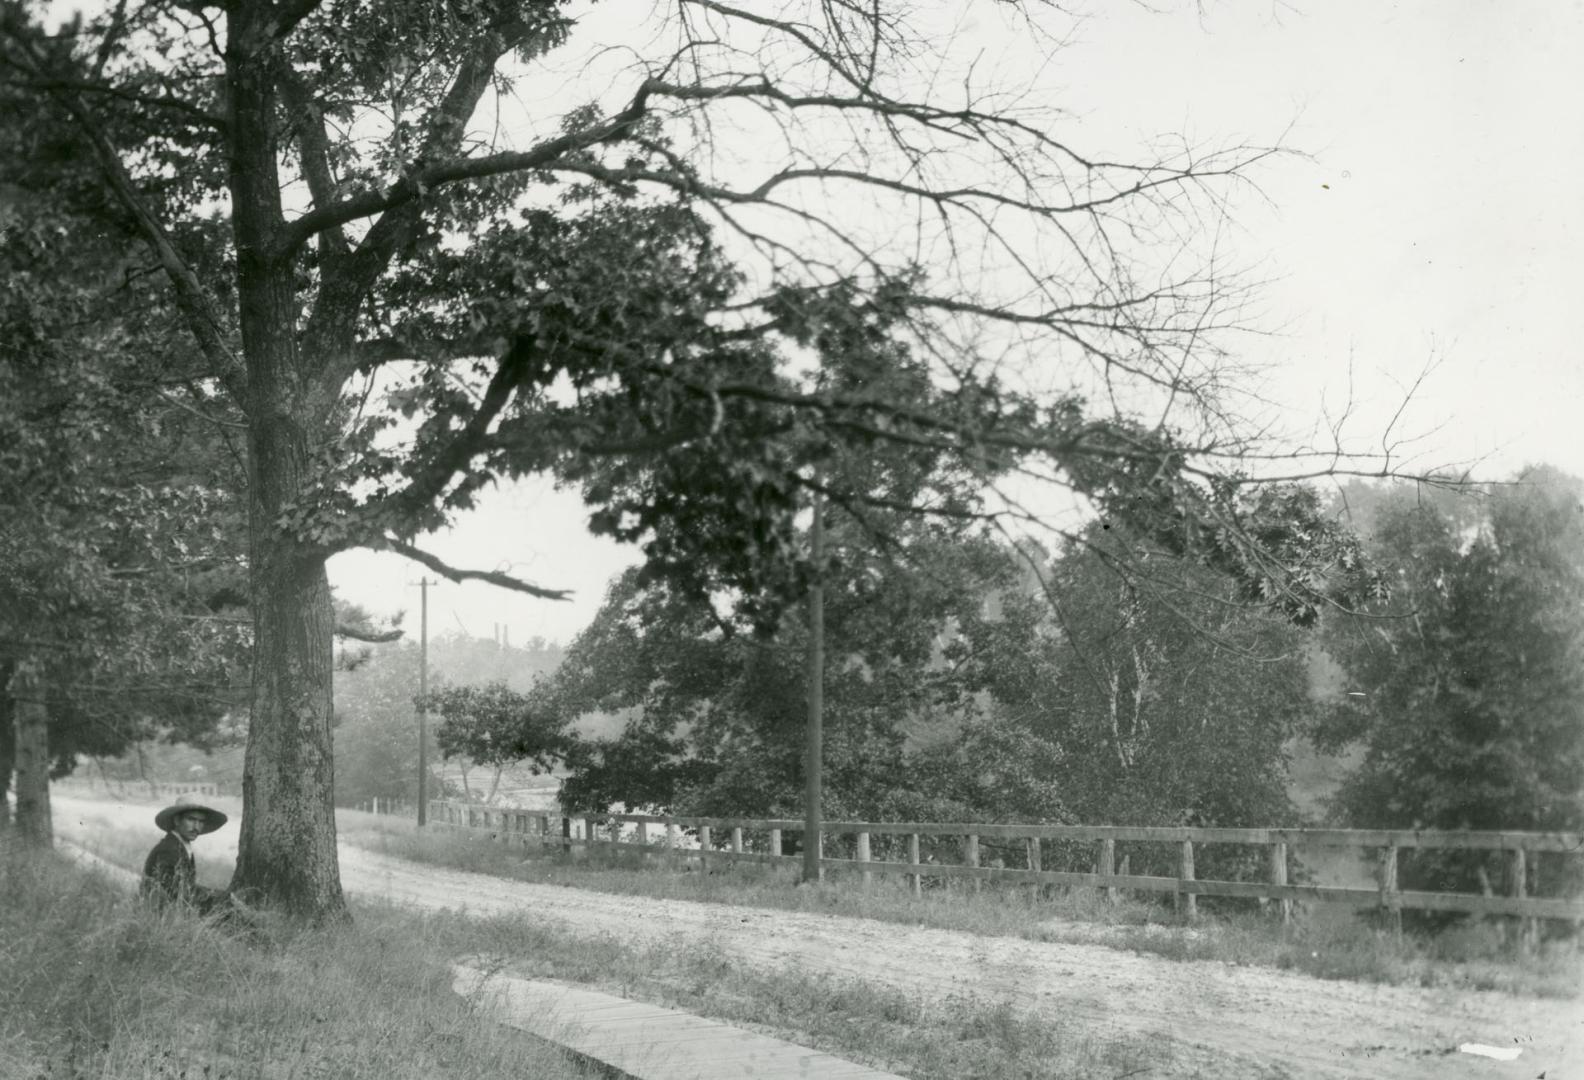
1218	1019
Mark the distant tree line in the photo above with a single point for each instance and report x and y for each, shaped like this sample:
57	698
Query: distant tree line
376	732
1105	682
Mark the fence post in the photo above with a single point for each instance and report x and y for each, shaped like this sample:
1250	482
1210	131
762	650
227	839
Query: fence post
1107	866
673	841
1032	844
1390	901
643	836
1186	873
863	856
971	857
1278	876
737	839
913	859
1518	873
705	844
775	841
566	835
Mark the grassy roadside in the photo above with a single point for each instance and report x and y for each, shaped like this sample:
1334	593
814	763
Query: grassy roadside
1470	956
100	986
323	997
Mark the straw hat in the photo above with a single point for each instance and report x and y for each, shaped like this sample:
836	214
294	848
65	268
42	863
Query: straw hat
166	818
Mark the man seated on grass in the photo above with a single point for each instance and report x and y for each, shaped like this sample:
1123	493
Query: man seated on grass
170	874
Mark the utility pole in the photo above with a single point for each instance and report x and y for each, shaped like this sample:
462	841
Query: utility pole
812	792
423	693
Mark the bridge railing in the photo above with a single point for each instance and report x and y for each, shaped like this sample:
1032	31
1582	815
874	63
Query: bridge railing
760	840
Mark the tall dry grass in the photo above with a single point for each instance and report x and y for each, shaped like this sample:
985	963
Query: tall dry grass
93	984
956	1039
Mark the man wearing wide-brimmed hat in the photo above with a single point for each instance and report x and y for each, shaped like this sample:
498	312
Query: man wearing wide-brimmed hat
170	874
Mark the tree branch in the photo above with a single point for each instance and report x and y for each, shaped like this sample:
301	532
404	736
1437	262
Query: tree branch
191	297
373	637
288	13
430	480
313	147
451	573
83	86
418	182
330	330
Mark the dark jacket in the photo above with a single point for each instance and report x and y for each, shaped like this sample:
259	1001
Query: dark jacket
170	876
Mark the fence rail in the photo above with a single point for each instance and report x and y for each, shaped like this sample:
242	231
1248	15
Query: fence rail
733	838
152	789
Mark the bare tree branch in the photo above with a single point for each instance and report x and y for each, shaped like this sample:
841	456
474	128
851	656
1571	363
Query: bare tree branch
372	637
451	573
450	117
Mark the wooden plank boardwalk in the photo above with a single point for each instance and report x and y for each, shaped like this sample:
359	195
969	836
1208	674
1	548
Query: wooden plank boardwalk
647	1042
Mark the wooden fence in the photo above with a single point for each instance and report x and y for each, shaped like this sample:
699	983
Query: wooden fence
88	786
384	806
760	840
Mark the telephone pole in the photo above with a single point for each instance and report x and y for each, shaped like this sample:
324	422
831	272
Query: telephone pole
423	692
812	791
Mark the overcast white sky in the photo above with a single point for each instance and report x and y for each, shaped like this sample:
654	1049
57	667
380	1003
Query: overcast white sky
1434	221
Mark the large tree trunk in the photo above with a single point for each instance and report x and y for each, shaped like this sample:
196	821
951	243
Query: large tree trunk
287	849
26	690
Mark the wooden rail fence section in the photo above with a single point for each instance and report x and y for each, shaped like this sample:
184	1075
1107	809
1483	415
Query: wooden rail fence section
759	840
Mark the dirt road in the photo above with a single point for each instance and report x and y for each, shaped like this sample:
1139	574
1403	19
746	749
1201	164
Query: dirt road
1219	1020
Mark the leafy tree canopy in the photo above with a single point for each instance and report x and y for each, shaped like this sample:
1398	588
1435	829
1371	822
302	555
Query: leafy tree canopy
1150	690
1467	686
715	713
967	681
637	297
120	570
376	743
